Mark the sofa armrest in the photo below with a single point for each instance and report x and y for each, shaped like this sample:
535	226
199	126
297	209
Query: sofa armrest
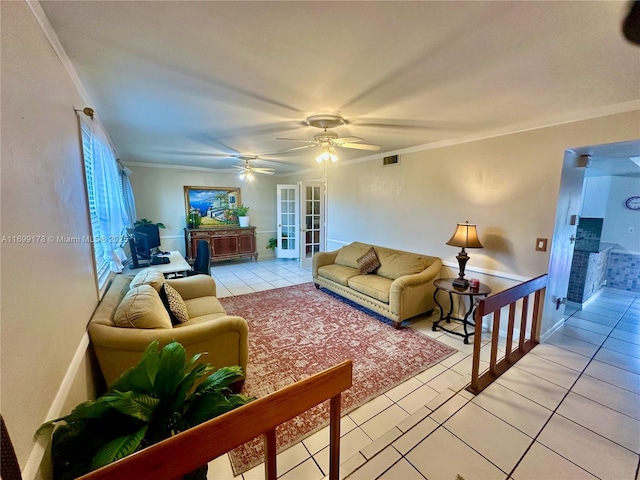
427	276
195	286
321	259
413	294
225	339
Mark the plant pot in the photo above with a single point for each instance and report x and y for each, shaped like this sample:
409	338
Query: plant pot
244	221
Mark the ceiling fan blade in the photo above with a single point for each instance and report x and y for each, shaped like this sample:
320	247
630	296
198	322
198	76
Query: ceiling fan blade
265	171
297	140
362	146
342	140
297	148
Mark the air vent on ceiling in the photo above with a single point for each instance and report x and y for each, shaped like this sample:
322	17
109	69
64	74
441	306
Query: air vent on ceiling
392	160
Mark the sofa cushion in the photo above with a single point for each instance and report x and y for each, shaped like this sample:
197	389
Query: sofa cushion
369	262
372	285
338	273
201	306
141	307
148	276
395	265
349	254
174	304
203	319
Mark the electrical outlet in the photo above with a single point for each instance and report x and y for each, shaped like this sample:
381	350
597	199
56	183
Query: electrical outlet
541	244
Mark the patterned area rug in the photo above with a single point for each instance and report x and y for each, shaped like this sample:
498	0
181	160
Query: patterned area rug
297	331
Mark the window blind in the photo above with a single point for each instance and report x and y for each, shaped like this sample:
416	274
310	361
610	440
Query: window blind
105	198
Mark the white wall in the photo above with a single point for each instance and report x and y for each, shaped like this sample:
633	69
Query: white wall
48	287
594	197
159	194
619	219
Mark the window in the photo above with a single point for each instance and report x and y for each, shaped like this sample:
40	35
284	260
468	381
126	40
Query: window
105	196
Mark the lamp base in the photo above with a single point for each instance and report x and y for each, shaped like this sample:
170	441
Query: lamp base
460	282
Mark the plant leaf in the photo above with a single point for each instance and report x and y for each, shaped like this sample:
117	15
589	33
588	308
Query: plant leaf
140	378
118	448
220	379
180	395
171	369
90	409
134	404
207	407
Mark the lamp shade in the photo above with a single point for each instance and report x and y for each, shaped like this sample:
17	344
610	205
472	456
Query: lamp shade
465	236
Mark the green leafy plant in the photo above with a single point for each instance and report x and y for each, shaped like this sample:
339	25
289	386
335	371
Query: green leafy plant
241	211
149	402
273	243
144	221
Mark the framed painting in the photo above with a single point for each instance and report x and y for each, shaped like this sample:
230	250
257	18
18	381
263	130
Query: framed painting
208	207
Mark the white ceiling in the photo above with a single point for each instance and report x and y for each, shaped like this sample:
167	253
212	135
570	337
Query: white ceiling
175	81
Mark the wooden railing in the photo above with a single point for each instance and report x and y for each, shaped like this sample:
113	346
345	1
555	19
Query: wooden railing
189	450
493	305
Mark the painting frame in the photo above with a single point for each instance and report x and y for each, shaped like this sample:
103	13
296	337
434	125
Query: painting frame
216	206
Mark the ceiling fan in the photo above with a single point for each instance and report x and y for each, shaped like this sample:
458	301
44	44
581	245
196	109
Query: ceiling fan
329	141
246	170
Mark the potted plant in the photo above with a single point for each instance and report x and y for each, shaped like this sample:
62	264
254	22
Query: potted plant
149	402
144	221
194	219
242	212
273	243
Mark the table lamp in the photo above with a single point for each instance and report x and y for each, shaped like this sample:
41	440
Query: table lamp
465	236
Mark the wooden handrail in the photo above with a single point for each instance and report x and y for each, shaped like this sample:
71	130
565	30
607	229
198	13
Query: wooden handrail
170	459
493	305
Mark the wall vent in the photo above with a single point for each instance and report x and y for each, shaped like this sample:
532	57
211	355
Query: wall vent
392	160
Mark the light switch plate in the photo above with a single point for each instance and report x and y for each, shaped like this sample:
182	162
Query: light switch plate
541	244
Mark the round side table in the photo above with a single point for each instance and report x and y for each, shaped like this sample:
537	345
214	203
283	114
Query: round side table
446	285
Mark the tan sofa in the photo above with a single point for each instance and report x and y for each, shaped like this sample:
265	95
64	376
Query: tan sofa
142	317
400	288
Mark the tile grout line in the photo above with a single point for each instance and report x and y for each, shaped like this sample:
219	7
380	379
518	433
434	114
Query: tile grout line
554	412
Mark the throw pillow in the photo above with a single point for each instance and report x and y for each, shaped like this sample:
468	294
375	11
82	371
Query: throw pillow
148	276
369	262
174	304
141	308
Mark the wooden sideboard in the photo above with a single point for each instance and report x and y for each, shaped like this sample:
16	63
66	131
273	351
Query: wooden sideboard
226	243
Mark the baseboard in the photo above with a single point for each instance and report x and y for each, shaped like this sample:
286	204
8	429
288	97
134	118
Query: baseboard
34	462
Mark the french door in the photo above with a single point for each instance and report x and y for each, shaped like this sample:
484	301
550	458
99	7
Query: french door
288	221
312	221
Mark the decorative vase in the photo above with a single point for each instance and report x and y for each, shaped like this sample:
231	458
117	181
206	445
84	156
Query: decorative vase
244	221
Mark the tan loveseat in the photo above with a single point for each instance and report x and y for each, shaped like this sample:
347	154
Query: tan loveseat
142	317
400	288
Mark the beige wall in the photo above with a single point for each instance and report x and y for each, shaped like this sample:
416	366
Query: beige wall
507	185
48	290
159	194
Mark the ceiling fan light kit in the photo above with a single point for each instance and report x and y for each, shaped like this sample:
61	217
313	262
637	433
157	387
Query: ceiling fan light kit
329	141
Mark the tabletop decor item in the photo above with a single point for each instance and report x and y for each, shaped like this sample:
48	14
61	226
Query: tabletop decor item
242	211
465	236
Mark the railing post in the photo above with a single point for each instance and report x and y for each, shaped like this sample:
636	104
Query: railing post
477	344
494	342
270	467
334	438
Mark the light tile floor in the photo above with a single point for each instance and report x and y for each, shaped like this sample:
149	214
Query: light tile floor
570	409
